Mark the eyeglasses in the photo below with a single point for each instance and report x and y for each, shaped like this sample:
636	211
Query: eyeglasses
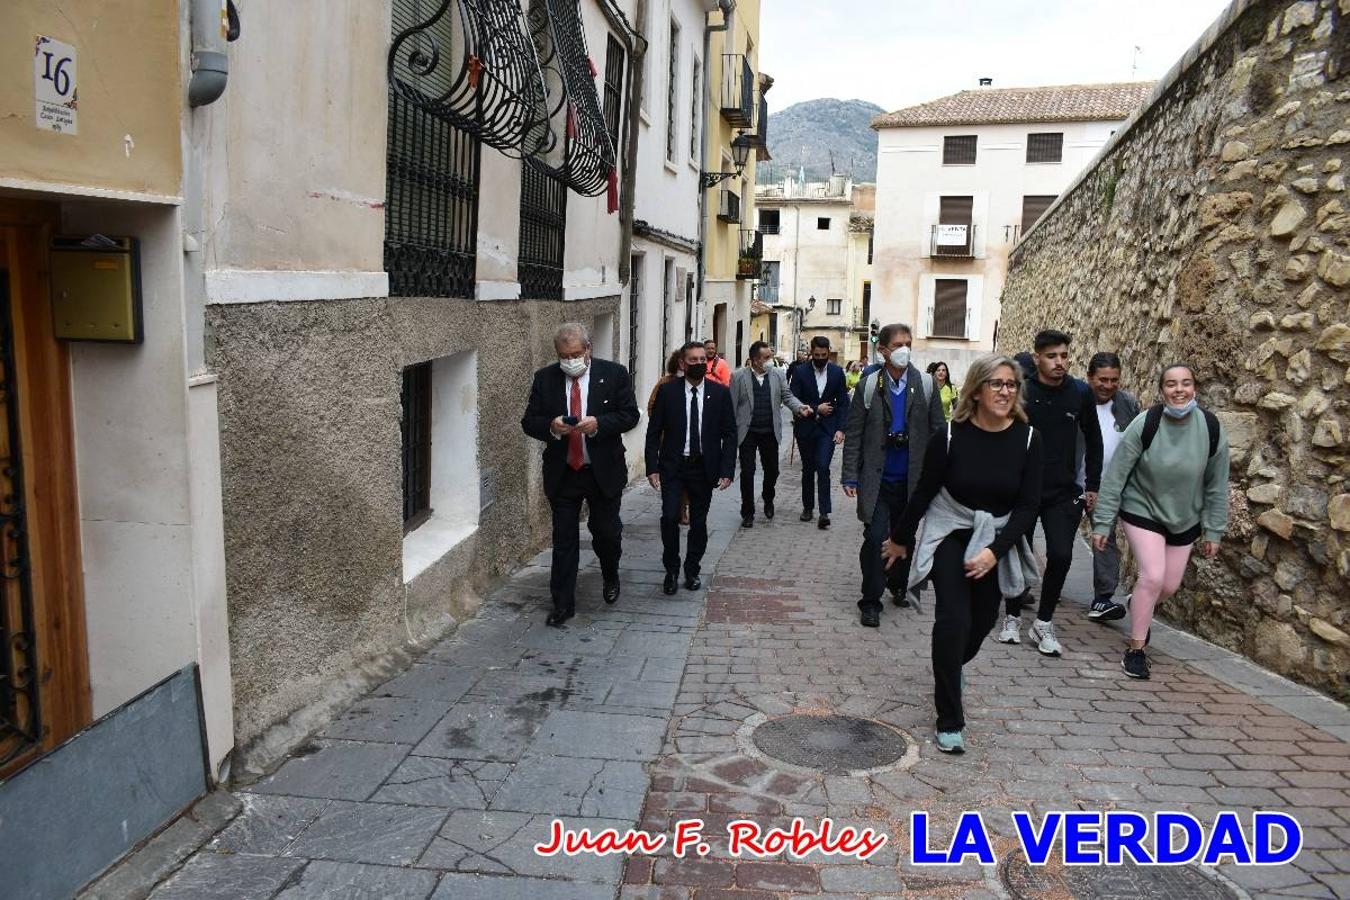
998	384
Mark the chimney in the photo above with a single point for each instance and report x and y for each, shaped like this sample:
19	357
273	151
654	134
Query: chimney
986	82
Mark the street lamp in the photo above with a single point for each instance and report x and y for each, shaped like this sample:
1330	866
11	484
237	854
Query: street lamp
740	155
801	315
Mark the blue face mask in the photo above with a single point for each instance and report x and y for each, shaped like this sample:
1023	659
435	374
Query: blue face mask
1179	412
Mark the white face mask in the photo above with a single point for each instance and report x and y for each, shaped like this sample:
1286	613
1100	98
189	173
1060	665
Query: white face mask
574	368
900	357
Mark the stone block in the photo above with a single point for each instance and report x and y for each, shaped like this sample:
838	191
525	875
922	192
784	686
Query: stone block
1299	368
1328	632
1334	268
1265	494
1303	321
1277	400
374	833
1338	512
1298	15
1335	342
1328	432
1287	220
1221	209
323	880
1276	522
1299	267
1278	645
1313	403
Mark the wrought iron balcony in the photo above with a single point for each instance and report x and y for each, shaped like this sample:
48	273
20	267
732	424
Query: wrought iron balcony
955	241
862	321
750	263
738	90
729	206
759	135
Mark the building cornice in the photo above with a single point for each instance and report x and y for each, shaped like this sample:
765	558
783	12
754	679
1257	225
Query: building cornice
670	239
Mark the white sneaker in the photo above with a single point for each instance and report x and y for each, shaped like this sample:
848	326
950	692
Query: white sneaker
1043	634
1011	633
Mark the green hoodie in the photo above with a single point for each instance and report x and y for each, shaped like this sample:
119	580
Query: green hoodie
1175	483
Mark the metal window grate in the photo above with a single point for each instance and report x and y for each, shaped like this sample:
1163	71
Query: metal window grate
431	204
959	150
416	427
949	307
672	93
614	59
695	109
20	713
1033	207
634	310
543	224
1047	147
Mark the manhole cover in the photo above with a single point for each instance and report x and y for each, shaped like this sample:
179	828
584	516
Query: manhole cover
1126	882
835	745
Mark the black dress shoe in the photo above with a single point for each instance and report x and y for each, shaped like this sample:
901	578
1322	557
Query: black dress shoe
871	618
611	592
808	515
747	521
768	509
558	617
692	583
824	523
671	583
900	598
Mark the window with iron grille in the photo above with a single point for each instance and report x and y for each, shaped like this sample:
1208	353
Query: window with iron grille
668	288
959	150
614	57
949	307
696	110
769	221
543	221
823	224
1047	147
416	445
634	309
431	204
834	307
672	93
1033	207
956	210
871	235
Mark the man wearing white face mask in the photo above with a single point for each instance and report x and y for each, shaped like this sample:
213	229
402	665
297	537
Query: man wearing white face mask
580	407
894	411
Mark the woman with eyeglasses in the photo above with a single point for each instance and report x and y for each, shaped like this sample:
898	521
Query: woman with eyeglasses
978	496
1168	481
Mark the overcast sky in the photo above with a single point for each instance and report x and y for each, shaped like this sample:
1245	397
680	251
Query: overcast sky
896	53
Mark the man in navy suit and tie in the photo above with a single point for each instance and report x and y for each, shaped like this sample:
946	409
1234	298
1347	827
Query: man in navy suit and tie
580	407
820	386
691	448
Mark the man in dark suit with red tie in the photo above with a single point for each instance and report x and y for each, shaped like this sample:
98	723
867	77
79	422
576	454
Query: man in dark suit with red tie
580	407
691	448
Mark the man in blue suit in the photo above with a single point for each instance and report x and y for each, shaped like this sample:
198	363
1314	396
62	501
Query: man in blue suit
821	388
691	448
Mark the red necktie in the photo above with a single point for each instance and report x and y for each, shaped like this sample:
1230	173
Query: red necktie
576	456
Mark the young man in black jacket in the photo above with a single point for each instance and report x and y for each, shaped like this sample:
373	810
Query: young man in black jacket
1059	407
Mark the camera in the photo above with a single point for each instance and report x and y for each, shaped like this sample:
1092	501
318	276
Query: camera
897	440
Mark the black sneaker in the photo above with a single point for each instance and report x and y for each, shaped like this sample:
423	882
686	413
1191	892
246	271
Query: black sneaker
1135	664
1104	609
768	509
899	598
807	515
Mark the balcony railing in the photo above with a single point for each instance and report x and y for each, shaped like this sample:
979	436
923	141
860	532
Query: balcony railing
750	263
759	135
729	206
738	90
862	320
956	241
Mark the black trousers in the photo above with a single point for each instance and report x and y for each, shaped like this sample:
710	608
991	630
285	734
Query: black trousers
691	478
963	614
891	500
763	443
817	452
606	528
1059	520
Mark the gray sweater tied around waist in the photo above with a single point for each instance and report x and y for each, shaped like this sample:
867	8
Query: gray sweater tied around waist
945	515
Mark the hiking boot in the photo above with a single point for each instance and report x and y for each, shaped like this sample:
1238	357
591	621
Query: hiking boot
1011	633
1135	664
1104	609
1042	634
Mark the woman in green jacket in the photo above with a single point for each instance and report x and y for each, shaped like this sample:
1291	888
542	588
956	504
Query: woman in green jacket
1168	480
942	380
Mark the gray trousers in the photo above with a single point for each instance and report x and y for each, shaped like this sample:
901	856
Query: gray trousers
1106	567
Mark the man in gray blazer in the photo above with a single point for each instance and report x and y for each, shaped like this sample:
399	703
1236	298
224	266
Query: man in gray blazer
757	391
894	411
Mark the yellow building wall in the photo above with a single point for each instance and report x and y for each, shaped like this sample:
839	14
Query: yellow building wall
129	88
724	238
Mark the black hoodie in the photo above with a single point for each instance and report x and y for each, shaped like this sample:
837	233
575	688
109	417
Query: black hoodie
1059	413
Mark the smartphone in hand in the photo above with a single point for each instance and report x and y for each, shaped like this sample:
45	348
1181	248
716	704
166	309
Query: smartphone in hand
570	420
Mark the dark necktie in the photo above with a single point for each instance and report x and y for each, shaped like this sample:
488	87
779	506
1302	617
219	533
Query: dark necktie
695	448
576	454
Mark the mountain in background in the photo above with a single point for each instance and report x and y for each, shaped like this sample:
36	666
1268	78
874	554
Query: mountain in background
807	133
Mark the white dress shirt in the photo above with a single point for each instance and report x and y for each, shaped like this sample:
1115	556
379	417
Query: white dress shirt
821	376
585	382
692	395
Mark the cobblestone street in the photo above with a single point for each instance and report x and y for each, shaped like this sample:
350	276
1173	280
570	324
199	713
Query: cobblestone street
439	783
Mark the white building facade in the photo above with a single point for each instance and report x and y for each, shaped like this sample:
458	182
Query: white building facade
959	180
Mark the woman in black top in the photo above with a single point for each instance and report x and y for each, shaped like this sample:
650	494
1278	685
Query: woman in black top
986	463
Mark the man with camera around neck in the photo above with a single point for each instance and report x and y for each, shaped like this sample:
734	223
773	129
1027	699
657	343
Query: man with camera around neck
894	411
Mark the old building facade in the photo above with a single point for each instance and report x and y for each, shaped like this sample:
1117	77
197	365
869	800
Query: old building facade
1212	229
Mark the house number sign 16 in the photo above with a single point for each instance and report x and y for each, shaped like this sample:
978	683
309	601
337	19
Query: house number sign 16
54	85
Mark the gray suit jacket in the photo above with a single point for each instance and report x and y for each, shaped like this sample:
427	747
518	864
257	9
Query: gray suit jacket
865	436
743	396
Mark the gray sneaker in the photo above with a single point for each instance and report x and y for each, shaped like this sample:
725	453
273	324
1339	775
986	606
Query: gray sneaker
1011	633
1042	634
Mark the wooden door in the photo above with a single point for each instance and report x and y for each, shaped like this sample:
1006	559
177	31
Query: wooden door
44	666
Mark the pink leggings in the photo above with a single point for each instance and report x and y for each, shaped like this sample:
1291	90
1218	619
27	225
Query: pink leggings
1160	571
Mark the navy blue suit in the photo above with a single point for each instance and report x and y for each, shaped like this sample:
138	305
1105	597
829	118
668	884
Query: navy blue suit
815	435
695	475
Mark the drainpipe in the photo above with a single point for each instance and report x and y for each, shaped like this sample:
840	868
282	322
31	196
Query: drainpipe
727	7
214	23
636	66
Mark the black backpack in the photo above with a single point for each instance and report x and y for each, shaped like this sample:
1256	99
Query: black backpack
1153	419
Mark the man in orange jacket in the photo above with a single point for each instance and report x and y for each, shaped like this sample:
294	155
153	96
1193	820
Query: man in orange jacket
718	368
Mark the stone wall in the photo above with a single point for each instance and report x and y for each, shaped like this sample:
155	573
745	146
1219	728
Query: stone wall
312	483
1214	229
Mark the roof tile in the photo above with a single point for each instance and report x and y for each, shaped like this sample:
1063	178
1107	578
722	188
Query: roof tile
1007	106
